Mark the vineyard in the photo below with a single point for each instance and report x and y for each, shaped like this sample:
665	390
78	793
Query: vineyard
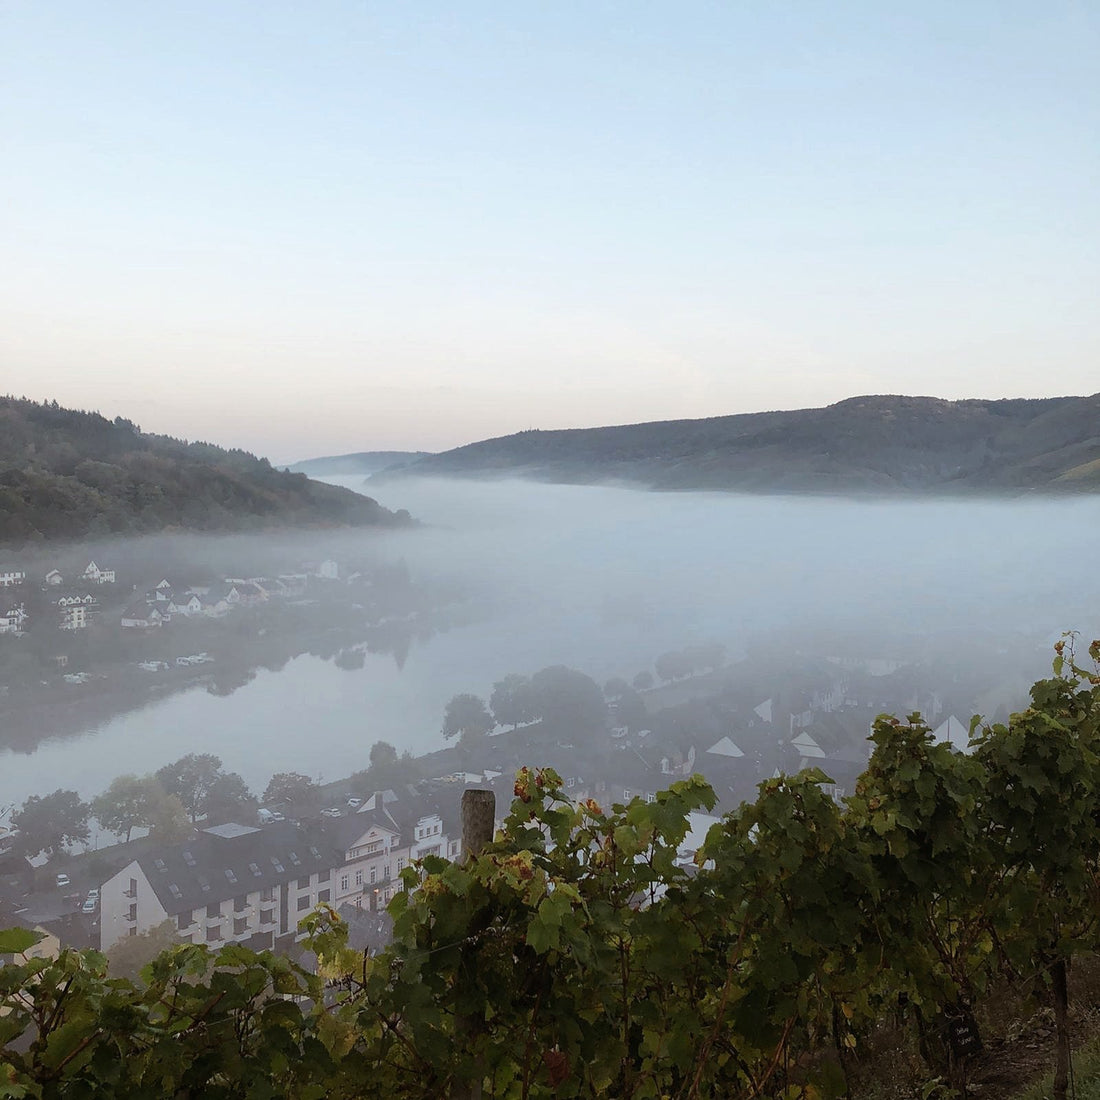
574	955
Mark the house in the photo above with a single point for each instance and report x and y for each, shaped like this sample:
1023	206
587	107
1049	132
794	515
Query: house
54	578
76	611
94	575
9	578
954	733
141	616
187	605
230	884
328	570
373	858
808	750
12	620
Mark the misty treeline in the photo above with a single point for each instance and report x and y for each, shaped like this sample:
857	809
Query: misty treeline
169	802
566	699
576	955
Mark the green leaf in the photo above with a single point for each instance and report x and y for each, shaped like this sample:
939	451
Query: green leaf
14	941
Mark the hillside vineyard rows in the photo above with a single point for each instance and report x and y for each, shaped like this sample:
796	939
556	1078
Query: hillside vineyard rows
574	956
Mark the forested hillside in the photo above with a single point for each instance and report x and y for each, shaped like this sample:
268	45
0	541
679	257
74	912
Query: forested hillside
70	474
865	444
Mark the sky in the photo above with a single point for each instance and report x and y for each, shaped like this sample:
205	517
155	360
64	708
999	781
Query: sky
317	228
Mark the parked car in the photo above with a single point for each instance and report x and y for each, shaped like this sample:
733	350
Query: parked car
90	906
61	879
354	803
93	894
332	813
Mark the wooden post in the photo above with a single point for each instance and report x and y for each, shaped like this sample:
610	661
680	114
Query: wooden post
478	819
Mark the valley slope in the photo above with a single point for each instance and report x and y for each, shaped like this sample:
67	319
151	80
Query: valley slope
876	444
66	474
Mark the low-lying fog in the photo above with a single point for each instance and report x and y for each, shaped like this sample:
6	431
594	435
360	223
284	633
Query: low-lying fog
605	579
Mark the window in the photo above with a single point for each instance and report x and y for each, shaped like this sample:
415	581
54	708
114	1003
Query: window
343	882
240	924
214	909
323	895
373	874
359	877
188	858
386	873
174	890
324	876
133	931
400	864
303	882
214	933
267	916
204	882
240	903
266	894
159	865
303	902
183	921
294	859
255	869
453	850
279	868
232	878
132	914
313	852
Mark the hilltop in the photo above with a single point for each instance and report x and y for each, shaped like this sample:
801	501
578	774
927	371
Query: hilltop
863	444
70	474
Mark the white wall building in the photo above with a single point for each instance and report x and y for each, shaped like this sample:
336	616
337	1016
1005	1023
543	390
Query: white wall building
231	884
11	577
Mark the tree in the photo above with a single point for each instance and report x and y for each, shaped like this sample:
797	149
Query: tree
643	681
568	700
52	821
616	687
673	665
132	953
630	711
191	778
291	788
132	801
467	717
382	755
229	799
513	701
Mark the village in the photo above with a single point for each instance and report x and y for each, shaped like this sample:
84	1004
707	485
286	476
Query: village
249	875
83	645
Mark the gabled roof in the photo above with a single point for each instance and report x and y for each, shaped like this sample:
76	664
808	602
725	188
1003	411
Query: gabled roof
725	747
954	733
807	746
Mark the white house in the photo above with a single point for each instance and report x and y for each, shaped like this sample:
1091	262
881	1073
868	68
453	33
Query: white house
231	884
725	747
54	577
11	577
95	575
11	622
141	616
329	570
76	612
187	605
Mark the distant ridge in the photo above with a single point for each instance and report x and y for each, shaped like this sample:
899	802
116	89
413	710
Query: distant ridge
873	444
66	474
362	462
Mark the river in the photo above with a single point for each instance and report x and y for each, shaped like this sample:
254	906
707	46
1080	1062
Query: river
604	579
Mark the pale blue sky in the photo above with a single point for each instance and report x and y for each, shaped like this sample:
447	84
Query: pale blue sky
311	228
